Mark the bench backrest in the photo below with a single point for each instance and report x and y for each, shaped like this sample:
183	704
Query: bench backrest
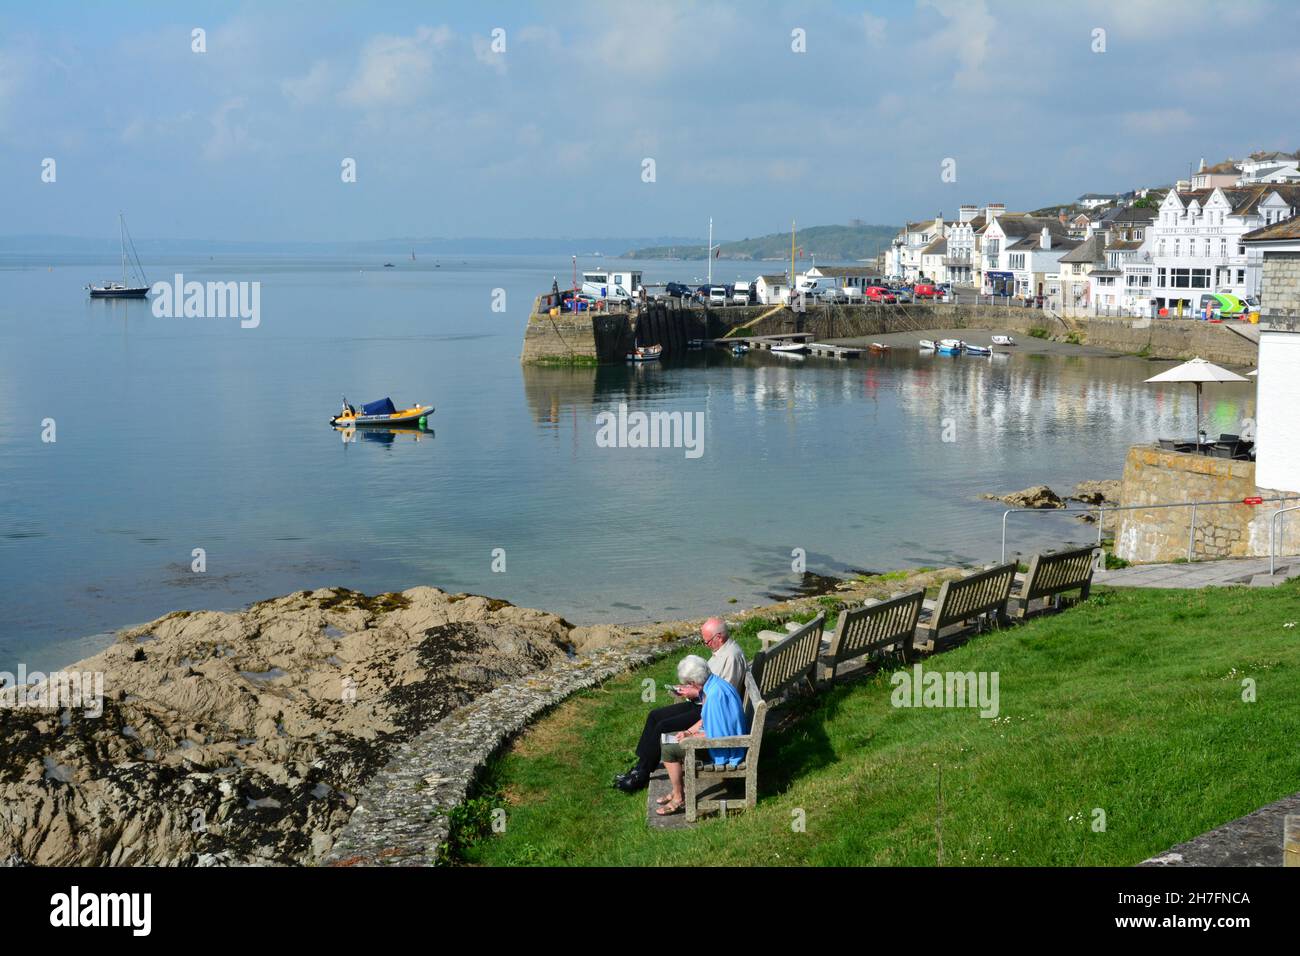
755	713
789	662
864	630
972	595
1058	571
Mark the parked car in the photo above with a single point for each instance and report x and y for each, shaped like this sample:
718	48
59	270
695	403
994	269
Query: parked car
879	294
924	291
901	294
852	294
718	295
677	290
830	296
740	293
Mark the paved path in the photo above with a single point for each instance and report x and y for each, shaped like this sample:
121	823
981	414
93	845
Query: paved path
1253	840
1199	574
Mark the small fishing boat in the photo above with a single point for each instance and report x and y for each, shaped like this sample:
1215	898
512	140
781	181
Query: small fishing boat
877	347
957	344
382	412
388	265
927	345
1003	340
739	349
790	348
646	353
978	350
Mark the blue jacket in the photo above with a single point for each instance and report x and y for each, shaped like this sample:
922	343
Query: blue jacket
723	714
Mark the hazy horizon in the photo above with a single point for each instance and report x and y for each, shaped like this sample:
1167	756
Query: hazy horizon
535	120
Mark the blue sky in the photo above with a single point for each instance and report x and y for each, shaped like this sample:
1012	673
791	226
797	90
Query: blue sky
245	141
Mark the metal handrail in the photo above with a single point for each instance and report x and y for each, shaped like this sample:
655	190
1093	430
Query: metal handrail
1102	509
1272	528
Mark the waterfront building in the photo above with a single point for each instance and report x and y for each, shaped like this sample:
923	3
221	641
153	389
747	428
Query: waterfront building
1017	252
959	259
1194	247
904	254
1225	173
1075	297
1274	253
773	289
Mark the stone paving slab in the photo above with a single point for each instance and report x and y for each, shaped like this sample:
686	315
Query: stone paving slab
1253	840
1193	574
659	787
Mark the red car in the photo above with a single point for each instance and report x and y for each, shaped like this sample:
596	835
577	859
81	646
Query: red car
877	293
927	292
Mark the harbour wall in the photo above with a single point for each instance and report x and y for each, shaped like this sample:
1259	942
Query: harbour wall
604	337
1153	476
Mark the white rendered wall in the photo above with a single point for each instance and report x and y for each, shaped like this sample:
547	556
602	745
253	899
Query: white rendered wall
1277	412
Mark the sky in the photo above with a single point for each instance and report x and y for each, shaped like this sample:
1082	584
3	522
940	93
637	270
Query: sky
551	135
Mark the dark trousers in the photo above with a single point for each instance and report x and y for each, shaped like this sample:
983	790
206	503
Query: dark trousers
663	720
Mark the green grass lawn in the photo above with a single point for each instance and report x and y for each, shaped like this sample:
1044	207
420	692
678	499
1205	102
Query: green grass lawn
1131	703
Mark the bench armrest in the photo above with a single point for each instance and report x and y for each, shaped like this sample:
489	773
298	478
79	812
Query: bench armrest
702	743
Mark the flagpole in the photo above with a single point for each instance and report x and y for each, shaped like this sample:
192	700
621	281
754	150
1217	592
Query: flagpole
710	250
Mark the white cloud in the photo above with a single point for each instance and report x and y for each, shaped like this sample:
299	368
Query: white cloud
874	29
310	88
395	70
965	38
484	53
229	137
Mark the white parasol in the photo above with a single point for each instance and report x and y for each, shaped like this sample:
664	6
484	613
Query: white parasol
1197	371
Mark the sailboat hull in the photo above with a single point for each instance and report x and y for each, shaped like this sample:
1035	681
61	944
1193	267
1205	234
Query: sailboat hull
119	293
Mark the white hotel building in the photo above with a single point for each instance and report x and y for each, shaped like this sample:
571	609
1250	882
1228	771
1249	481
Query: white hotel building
1194	246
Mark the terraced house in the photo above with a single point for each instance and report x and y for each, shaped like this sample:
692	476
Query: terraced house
1194	247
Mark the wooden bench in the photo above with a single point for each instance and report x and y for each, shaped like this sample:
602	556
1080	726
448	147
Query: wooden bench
788	660
706	783
1052	574
874	627
969	601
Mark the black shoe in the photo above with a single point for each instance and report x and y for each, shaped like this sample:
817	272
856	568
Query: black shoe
632	781
623	776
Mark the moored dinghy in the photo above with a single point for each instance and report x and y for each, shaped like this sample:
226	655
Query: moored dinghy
927	345
646	353
978	350
382	412
1003	340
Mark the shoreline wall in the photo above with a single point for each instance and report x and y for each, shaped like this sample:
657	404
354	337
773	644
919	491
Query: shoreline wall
1153	475
586	338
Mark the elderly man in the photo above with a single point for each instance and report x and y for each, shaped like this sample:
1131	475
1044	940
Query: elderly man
726	661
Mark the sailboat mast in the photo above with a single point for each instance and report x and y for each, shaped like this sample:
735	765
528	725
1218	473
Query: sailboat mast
710	250
121	238
792	253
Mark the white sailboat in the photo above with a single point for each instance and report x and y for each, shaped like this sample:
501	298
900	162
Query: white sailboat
128	288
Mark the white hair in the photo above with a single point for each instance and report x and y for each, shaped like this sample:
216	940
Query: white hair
692	669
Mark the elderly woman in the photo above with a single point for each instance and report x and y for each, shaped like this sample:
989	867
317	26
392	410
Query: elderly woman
721	715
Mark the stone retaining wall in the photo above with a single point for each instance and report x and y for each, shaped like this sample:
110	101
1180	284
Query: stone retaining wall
1155	476
1279	292
1173	339
402	815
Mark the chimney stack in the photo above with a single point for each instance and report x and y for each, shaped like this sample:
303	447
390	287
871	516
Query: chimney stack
1045	239
967	212
993	210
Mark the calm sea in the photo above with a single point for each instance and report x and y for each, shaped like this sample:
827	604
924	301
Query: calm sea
181	434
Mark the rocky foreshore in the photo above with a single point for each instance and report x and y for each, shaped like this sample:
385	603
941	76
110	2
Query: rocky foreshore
251	737
237	738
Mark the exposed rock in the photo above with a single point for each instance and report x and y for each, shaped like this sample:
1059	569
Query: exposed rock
1039	496
1097	492
242	737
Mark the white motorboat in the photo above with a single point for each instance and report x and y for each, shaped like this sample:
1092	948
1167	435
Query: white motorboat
978	350
1003	340
927	344
646	353
790	348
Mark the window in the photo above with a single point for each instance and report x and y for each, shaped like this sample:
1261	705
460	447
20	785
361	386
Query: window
1200	278
1162	276
1178	248
1241	276
1017	260
1223	248
1161	250
1137	233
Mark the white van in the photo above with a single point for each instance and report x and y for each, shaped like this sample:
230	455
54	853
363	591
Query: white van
740	293
718	295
